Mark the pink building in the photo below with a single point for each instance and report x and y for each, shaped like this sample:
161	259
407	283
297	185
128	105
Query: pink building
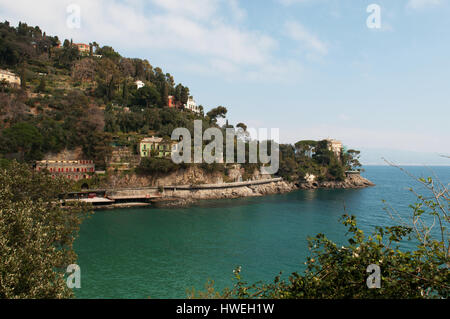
76	169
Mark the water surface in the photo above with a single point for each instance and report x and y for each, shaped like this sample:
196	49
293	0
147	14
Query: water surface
159	253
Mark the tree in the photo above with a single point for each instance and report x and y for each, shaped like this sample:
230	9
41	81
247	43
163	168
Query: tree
218	112
165	94
108	52
24	139
84	70
36	234
3	84
95	46
125	92
306	148
148	96
351	159
181	94
67	56
242	126
323	155
23	78
108	77
154	165
42	86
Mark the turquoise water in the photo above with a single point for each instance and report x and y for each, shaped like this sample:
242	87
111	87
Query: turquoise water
160	253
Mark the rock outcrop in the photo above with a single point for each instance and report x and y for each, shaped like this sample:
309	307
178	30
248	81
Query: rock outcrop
187	186
351	181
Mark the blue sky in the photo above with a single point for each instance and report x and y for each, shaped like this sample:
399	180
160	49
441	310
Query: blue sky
309	67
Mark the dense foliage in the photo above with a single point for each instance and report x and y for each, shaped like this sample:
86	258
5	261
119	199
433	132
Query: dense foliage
73	100
69	100
36	234
316	158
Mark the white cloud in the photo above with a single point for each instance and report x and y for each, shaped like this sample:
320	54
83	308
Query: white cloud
419	4
237	11
195	28
202	9
305	38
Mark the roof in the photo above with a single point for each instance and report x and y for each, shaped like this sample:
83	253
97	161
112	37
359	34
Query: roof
333	141
61	161
152	140
7	72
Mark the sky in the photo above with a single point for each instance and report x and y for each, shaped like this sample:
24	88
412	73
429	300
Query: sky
312	68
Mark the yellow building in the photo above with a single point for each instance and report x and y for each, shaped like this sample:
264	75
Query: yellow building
156	146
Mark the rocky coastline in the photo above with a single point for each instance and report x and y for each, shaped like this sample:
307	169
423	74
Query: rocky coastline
180	198
352	181
210	186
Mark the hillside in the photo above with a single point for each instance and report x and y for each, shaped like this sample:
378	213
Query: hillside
70	98
89	102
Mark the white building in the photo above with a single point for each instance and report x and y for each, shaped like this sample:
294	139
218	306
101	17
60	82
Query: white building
191	105
139	84
335	146
9	77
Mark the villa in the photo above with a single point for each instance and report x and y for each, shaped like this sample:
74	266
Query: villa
335	146
191	105
71	169
157	147
83	48
139	84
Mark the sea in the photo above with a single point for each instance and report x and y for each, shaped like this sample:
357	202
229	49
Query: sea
167	252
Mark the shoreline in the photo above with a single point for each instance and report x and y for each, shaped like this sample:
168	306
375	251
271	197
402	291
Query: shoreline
185	195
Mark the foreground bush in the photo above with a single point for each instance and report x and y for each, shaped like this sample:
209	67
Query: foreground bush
337	272
36	234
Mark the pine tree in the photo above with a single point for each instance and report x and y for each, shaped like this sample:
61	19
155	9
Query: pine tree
42	86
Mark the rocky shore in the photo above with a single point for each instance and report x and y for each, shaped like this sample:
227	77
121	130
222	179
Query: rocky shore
213	187
186	197
352	181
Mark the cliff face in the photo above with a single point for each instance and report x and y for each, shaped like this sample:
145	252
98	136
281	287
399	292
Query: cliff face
190	176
